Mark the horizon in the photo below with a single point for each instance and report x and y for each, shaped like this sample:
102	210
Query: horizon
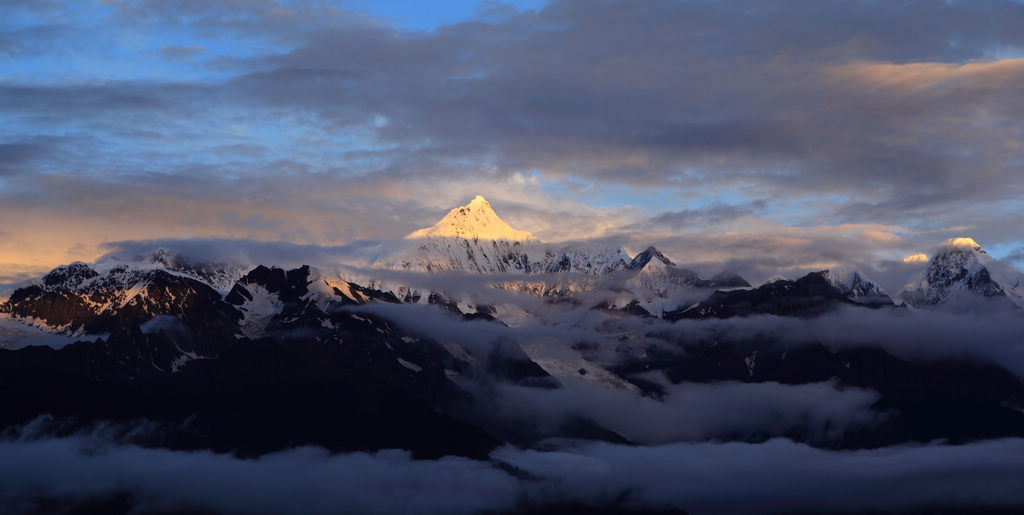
894	275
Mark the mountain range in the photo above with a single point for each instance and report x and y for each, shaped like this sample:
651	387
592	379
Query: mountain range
472	239
251	361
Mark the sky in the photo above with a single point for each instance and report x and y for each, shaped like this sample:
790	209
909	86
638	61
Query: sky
796	135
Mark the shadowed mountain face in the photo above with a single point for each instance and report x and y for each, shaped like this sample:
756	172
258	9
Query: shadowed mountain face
76	299
808	296
280	362
255	397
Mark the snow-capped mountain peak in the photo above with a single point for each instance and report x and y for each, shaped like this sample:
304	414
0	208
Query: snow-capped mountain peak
651	253
473	239
68	276
961	267
856	287
473	221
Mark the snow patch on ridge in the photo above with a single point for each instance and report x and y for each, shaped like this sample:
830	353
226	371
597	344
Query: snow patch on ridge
857	287
256	313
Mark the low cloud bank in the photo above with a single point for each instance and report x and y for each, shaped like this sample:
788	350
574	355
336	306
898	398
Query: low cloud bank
15	334
303	480
781	476
244	251
777	475
914	335
691	411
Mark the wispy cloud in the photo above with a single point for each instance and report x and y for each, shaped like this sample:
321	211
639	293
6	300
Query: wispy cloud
314	124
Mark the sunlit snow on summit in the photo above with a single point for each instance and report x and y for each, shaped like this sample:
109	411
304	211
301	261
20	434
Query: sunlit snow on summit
961	242
475	221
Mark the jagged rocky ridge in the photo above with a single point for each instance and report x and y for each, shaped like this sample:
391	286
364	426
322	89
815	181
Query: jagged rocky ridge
76	299
808	296
854	286
473	239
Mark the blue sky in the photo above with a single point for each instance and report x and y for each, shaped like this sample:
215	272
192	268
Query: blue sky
773	135
429	15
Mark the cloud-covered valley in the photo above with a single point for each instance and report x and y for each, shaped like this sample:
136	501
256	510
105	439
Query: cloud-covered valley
776	476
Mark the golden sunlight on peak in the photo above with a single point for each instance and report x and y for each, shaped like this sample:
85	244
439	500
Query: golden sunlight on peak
961	242
916	258
476	220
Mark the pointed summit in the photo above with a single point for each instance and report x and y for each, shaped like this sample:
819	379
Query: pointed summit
474	221
641	259
962	268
